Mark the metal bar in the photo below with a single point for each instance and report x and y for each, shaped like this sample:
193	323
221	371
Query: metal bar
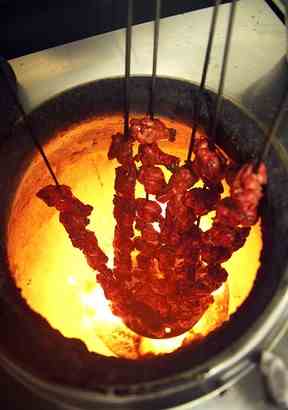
128	43
276	10
203	77
30	129
273	132
151	109
227	48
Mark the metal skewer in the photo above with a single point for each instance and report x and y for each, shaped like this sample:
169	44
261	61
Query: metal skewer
273	132
204	76
227	48
28	123
128	43
151	109
219	97
151	106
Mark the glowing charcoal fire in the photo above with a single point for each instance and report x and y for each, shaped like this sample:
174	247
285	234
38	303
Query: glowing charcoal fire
55	278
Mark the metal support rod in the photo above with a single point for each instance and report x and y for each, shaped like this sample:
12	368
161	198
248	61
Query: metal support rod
128	40
273	131
151	109
218	105
30	129
204	77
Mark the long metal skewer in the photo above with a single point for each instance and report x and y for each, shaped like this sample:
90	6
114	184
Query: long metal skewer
151	109
128	43
219	97
273	132
219	100
30	129
204	76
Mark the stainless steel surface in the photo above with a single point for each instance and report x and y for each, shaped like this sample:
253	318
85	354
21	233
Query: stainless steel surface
29	126
258	47
258	44
275	373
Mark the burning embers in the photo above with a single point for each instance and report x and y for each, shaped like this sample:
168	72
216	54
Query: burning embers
165	266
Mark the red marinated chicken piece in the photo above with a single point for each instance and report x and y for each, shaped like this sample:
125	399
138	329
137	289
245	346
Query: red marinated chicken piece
124	213
125	181
213	255
201	200
152	178
181	180
73	216
187	252
147	210
148	131
208	163
227	213
63	200
228	237
211	277
151	154
183	217
123	206
246	190
121	149
169	234
150	236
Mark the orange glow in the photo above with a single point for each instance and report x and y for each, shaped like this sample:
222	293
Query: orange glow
54	277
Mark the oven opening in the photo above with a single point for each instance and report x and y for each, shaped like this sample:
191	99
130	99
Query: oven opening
58	283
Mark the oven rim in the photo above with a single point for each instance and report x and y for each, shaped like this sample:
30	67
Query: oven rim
238	360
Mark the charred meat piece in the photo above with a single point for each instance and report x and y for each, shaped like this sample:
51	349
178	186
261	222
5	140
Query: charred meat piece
148	131
246	191
124	213
121	149
151	154
211	277
73	216
63	200
225	236
123	206
147	210
227	213
231	172
180	181
201	200
125	181
152	178
213	255
241	208
208	164
183	217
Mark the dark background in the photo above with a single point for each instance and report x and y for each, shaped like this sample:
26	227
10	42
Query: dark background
27	26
